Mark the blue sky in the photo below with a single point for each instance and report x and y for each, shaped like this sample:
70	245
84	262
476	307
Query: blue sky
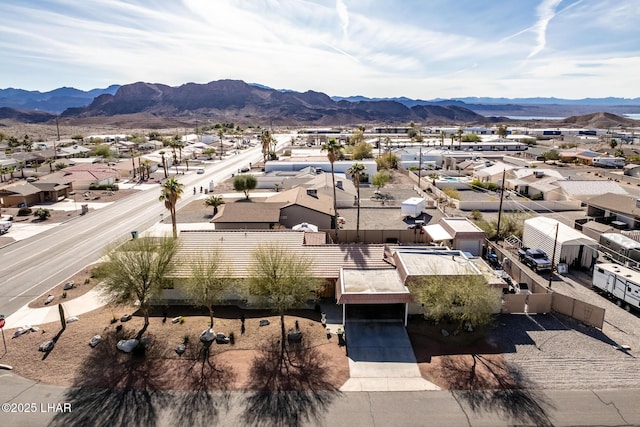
415	48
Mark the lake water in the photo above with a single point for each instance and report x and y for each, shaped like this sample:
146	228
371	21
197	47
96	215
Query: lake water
534	118
632	116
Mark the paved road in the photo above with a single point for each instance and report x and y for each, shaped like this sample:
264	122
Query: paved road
33	266
353	409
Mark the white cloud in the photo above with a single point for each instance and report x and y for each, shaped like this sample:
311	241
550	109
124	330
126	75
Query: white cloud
336	46
343	14
545	12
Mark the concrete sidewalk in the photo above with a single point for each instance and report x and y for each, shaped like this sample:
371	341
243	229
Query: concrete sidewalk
39	316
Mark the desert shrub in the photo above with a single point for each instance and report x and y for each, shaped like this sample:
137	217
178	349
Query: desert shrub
492	186
99	271
452	193
475	215
476	184
537	196
24	211
387	161
42	213
110	187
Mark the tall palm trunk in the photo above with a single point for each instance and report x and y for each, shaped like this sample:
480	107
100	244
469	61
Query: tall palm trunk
174	224
335	211
358	214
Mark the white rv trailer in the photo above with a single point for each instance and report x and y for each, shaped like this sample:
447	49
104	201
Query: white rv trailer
609	162
619	282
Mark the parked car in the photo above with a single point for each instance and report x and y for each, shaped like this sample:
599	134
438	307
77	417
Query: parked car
536	259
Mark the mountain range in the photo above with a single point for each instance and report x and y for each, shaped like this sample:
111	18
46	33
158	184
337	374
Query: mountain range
237	101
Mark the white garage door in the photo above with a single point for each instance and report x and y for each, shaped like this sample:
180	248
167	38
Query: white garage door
472	246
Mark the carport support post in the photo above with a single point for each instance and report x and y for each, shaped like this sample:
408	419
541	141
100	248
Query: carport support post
344	315
406	313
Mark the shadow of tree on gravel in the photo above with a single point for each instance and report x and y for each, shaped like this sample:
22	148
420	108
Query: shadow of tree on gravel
208	383
290	392
501	389
114	388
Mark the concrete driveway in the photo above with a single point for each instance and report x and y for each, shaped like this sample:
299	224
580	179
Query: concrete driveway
381	358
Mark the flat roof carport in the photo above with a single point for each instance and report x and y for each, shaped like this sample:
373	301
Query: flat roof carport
371	286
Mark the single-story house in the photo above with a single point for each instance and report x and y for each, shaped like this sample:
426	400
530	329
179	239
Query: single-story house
584	190
21	193
83	175
248	215
493	173
300	205
584	157
530	182
621	207
72	151
368	281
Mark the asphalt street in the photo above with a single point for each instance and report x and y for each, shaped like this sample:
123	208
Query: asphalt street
32	266
26	403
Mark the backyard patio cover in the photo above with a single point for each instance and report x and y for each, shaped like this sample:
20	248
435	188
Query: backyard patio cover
437	233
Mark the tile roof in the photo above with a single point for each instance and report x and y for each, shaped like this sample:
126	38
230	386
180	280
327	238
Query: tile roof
21	187
237	247
248	212
299	196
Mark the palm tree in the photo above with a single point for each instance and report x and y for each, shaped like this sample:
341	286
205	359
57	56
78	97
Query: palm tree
460	138
334	150
133	162
356	172
145	168
164	163
441	138
220	135
170	193
214	201
50	161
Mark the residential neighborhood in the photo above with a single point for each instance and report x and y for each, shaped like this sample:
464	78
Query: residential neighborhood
372	247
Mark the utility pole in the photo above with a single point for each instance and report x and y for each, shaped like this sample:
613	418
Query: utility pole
420	169
55	149
504	171
553	256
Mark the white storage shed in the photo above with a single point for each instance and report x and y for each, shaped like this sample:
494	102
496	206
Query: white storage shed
573	247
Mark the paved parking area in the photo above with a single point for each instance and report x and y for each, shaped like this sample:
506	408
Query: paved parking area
381	358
